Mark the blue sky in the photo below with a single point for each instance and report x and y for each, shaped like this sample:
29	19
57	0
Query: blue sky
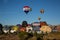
11	11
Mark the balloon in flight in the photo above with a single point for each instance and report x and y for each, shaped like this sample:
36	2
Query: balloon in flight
42	11
39	18
26	9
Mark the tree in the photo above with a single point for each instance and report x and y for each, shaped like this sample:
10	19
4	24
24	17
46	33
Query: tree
24	24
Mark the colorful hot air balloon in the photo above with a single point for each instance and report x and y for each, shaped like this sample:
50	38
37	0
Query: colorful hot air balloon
22	29
46	29
14	29
26	9
42	11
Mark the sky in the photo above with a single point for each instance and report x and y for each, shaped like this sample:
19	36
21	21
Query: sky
11	11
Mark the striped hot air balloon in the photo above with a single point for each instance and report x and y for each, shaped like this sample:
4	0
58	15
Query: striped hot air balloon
26	9
36	24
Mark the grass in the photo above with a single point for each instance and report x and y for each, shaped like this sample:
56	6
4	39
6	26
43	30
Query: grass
35	36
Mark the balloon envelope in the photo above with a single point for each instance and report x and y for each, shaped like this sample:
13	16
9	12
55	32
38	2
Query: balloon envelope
42	11
39	18
15	28
26	9
26	12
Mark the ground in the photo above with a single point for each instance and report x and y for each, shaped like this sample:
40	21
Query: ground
9	37
54	35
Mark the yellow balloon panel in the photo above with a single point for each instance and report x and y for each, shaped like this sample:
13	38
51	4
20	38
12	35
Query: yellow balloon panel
15	27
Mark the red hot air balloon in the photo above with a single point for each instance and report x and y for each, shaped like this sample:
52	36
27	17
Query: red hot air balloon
26	9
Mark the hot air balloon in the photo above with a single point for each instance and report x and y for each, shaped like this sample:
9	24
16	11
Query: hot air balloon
46	29
22	29
39	18
14	29
42	11
26	9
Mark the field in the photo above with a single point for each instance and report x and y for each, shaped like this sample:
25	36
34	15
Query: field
50	36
